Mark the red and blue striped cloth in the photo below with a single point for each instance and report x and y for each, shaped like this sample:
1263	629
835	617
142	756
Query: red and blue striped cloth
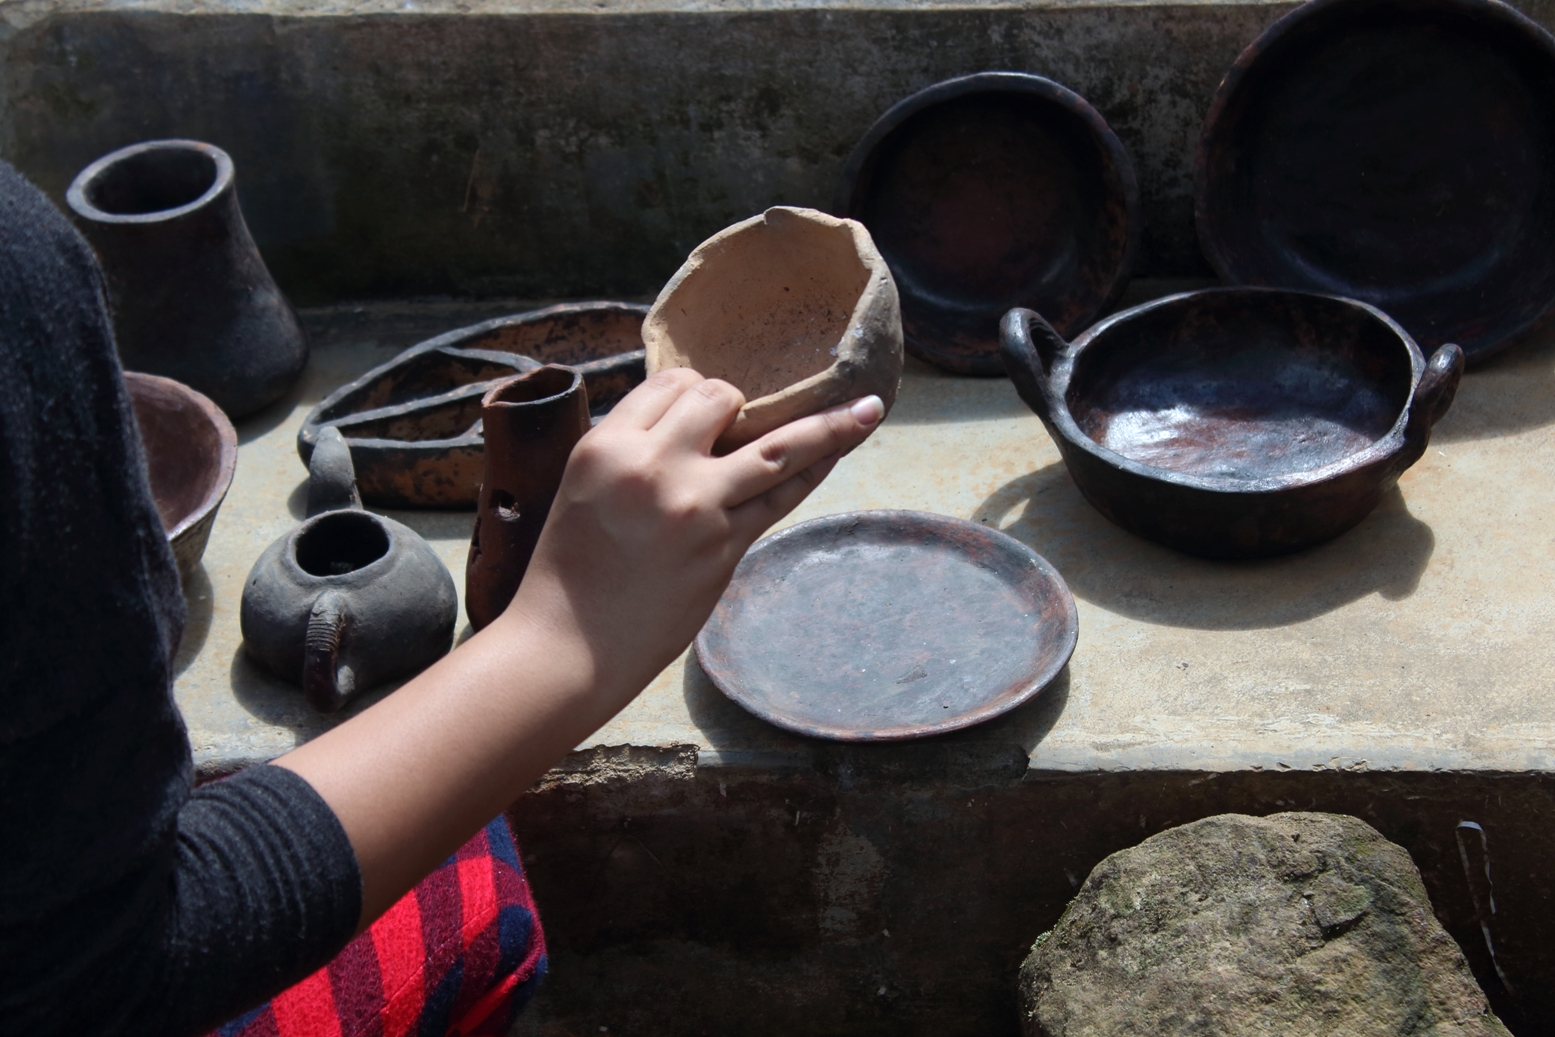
457	955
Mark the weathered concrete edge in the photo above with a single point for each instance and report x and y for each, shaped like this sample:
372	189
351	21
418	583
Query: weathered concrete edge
600	764
19	14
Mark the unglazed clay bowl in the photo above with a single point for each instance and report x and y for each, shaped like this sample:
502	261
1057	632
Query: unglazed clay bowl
990	191
191	452
1234	422
794	308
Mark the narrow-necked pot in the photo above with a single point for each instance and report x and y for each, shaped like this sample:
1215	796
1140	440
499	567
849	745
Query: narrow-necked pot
192	299
1234	422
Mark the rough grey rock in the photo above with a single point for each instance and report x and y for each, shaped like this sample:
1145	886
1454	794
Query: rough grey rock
1293	924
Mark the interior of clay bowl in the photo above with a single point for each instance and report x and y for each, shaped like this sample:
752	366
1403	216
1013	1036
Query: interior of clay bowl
767	307
988	200
1243	384
1396	156
184	449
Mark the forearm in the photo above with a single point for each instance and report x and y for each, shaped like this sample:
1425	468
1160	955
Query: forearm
413	776
644	534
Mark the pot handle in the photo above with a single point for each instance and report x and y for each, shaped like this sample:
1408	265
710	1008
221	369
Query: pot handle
1436	390
1030	347
326	682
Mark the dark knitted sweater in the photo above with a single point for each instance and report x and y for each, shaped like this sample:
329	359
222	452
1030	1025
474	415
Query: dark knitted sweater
128	902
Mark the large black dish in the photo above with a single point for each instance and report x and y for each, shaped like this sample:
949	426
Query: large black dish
886	625
1392	151
1234	422
989	191
414	423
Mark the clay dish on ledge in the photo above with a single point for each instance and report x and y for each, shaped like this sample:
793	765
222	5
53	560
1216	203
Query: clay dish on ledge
793	307
191	452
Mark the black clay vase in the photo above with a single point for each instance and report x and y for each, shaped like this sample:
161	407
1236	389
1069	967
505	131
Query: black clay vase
191	297
348	599
531	423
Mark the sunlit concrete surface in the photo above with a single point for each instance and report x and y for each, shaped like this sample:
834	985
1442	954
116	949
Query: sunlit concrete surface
1418	641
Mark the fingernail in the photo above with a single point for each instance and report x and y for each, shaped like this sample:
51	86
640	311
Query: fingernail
868	411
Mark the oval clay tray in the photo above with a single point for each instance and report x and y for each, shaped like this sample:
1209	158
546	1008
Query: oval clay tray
413	424
875	626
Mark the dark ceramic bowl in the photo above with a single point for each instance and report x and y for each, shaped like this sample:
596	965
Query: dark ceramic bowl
191	453
991	191
1234	422
1396	152
413	424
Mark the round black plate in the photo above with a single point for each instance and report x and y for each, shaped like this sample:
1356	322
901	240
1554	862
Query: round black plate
991	191
885	625
1396	152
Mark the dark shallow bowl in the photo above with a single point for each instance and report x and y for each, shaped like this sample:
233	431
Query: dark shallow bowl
413	424
877	626
990	191
1392	151
191	452
1234	422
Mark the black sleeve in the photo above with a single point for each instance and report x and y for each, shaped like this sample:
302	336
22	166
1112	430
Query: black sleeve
128	903
267	892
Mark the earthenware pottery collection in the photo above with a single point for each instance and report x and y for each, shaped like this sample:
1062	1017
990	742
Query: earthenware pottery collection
795	308
1371	173
991	191
1234	422
348	599
414	423
191	452
1395	153
191	297
532	422
884	625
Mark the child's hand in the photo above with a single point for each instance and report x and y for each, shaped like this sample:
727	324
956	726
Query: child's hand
648	525
642	539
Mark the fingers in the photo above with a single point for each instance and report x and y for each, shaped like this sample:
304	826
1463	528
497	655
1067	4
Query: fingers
700	414
752	518
645	405
785	453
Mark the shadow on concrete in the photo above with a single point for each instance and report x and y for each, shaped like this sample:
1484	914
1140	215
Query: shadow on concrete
433	525
256	425
933	396
280	703
999	747
724	723
1386	554
1511	392
200	597
297	501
